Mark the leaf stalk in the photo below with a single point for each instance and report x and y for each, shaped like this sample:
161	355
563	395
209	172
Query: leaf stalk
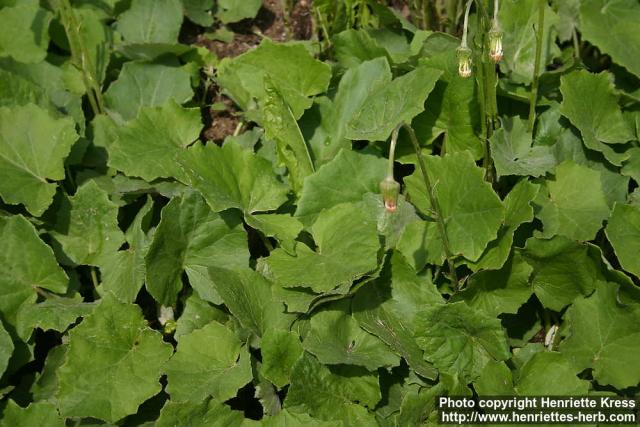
80	56
434	204
534	86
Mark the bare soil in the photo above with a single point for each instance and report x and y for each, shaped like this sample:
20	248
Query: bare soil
248	33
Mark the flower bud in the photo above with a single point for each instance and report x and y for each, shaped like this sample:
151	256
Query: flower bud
464	61
390	190
495	45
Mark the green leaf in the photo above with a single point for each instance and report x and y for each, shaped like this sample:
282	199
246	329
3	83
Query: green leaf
550	374
208	362
395	43
197	313
153	51
240	179
283	227
319	392
151	21
347	243
280	126
513	154
517	21
46	384
598	17
209	412
286	418
19	90
54	313
290	67
25	31
518	210
158	135
26	262
33	146
570	211
234	11
623	231
36	414
346	178
147	85
562	270
123	272
353	47
421	244
280	350
248	297
124	357
388	309
190	238
453	108
43	84
631	167
495	379
97	38
335	337
390	224
356	86
6	349
459	339
600	121
418	406
199	11
87	226
471	211
395	103
499	291
603	335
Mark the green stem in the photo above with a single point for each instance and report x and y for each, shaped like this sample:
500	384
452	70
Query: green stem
465	25
423	8
94	278
576	44
452	12
434	204
392	150
325	43
80	56
43	293
487	82
363	14
536	67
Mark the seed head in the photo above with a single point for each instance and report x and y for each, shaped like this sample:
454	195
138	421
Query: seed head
495	44
390	189
464	61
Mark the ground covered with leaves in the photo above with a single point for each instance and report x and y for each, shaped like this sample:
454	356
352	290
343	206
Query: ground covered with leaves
192	230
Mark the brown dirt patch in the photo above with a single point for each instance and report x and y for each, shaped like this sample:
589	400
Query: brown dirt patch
302	25
219	123
248	33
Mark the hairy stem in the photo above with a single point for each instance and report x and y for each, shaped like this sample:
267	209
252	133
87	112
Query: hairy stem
487	80
434	204
392	150
80	56
465	25
536	67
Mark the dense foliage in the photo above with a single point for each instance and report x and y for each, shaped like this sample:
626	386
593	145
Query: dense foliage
153	275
